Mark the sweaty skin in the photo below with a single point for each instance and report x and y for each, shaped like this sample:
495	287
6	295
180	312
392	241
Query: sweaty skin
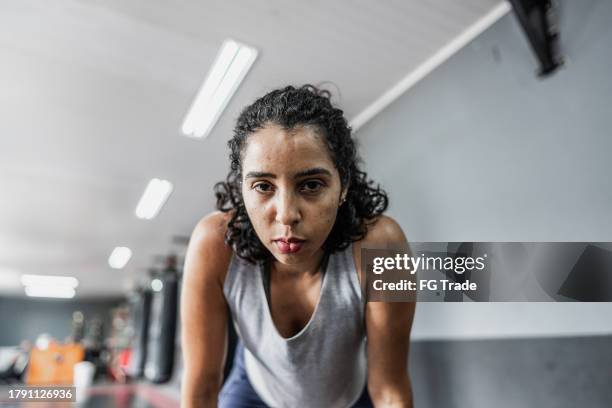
291	191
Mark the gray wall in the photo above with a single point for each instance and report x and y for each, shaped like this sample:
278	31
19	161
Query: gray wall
512	373
22	318
483	150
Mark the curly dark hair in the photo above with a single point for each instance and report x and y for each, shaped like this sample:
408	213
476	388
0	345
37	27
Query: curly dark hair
291	107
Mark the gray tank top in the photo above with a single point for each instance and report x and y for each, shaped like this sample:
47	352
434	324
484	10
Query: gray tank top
324	365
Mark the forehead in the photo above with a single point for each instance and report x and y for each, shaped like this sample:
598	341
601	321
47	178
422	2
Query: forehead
283	151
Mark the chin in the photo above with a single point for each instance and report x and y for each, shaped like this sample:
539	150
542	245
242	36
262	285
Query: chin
295	258
289	259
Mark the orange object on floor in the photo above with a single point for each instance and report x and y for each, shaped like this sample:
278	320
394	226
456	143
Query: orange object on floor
54	365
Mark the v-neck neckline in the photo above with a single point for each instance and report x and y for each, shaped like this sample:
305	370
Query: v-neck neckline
264	281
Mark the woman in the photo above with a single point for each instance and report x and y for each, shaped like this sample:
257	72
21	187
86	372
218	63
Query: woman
283	252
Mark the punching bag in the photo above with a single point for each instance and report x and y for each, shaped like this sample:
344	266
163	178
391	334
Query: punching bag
140	311
162	324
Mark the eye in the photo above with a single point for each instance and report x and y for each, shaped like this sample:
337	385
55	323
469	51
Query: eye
263	187
312	186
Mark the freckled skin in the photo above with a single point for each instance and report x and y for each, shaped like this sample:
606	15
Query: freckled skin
279	206
282	205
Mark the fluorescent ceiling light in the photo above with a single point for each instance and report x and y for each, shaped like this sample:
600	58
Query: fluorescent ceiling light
48	280
119	257
229	69
65	292
153	198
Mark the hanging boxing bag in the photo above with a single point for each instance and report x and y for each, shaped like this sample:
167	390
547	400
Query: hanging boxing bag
162	324
140	310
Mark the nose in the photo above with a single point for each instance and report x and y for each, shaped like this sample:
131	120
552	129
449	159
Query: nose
287	209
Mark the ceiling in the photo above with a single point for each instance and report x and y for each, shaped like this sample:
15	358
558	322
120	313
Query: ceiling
94	93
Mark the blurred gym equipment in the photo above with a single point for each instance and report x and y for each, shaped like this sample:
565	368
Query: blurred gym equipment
159	359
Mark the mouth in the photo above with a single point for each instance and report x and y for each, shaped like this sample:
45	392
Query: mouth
289	245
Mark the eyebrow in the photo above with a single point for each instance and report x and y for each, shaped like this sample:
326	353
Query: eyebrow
315	171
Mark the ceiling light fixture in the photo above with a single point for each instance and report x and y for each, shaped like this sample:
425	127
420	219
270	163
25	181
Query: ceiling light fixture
49	280
153	199
231	65
64	292
119	257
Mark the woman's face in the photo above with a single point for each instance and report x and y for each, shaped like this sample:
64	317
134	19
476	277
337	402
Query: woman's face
291	191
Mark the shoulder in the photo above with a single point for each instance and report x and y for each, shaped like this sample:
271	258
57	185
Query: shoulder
207	249
384	231
211	229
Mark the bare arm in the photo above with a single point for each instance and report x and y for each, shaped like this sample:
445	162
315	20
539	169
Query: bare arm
388	328
204	314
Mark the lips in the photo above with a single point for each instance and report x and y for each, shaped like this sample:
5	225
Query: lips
289	245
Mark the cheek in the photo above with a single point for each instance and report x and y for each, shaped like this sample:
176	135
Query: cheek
257	212
251	206
325	215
